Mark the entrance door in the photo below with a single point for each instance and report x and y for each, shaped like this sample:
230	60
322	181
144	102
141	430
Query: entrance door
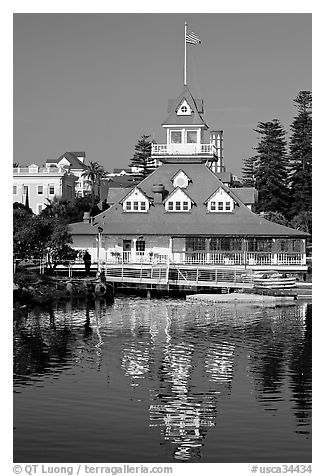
126	251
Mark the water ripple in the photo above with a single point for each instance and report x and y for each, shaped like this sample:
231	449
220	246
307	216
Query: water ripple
162	371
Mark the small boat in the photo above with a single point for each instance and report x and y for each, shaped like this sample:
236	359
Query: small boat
272	280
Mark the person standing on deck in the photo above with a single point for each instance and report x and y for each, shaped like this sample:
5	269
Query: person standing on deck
87	261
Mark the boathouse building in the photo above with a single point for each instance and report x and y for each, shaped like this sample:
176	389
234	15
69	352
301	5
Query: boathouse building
183	214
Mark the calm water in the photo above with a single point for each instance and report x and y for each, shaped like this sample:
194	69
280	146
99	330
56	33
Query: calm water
162	381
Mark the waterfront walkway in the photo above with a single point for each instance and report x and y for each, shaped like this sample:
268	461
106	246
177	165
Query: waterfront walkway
180	275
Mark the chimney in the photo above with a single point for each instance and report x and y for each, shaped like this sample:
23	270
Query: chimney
86	217
158	190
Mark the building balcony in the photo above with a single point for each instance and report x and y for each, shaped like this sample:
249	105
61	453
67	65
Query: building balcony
160	150
213	258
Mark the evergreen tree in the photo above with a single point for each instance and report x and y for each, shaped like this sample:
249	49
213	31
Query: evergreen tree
142	156
248	172
272	168
300	158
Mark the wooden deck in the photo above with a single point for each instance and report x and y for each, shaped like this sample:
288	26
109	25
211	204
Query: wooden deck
180	275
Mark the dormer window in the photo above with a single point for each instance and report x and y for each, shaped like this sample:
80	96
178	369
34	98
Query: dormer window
184	109
136	201
220	201
178	201
181	180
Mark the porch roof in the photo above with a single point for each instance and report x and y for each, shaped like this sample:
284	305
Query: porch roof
198	221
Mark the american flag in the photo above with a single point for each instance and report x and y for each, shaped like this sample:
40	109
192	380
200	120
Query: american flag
192	39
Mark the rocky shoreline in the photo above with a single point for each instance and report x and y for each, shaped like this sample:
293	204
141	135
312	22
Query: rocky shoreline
34	289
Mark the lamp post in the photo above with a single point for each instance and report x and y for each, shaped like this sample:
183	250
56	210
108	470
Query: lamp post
99	245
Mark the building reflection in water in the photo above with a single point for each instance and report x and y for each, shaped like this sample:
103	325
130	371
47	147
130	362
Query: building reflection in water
185	357
183	414
135	354
219	362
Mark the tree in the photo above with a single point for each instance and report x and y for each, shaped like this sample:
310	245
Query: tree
272	168
302	221
101	175
57	245
94	173
300	157
21	206
30	233
35	236
249	171
277	217
142	155
56	208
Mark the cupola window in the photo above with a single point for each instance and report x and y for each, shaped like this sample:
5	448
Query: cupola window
176	137
184	109
191	137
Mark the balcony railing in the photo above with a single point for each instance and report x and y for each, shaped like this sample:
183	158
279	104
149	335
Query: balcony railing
183	149
214	258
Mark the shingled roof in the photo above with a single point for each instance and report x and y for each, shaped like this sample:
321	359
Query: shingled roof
72	158
246	194
198	222
195	104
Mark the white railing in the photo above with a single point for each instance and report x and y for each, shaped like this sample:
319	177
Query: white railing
183	149
260	258
214	258
291	258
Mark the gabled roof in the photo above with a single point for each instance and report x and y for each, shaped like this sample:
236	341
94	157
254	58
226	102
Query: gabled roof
132	191
198	222
73	160
79	154
118	171
178	172
225	177
116	194
176	190
246	194
195	104
222	187
123	181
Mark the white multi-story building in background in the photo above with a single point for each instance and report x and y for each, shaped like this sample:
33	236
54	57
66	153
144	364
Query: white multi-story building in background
75	163
34	185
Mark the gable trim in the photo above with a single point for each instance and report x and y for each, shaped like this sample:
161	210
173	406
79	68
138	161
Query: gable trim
173	193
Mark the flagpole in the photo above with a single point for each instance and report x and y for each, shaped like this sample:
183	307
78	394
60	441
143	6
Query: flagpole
185	54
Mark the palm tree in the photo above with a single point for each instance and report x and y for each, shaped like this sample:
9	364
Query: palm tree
56	208
101	174
94	173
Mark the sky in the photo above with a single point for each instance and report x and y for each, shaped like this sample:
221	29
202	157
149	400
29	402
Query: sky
95	82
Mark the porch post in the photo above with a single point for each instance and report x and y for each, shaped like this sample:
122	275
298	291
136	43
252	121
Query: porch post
170	251
133	250
275	251
244	247
207	249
